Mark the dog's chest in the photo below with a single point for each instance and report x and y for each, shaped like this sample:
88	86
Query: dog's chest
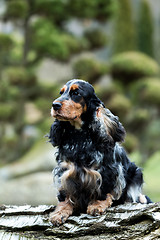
81	147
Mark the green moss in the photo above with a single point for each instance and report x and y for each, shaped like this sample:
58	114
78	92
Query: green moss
130	66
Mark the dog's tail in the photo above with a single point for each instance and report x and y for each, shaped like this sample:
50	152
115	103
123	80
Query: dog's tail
148	199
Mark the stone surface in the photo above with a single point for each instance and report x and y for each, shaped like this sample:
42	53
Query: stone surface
130	221
36	188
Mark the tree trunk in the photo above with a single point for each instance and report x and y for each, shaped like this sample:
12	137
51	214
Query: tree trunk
130	221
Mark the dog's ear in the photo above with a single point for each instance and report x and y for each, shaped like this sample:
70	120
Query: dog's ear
55	134
94	102
111	124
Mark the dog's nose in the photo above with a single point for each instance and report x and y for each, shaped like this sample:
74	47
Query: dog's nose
56	105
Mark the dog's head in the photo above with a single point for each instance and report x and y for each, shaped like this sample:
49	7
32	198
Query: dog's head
77	98
78	103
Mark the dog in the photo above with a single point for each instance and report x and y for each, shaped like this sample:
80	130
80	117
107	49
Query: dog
93	171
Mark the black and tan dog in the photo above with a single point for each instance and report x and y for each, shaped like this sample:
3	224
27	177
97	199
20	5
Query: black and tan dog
93	170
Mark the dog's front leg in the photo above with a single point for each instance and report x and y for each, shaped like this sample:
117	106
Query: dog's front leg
99	207
61	213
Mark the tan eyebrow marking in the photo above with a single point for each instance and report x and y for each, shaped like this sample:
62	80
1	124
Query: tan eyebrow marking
73	87
63	89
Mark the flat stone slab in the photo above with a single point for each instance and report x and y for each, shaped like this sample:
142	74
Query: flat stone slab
129	221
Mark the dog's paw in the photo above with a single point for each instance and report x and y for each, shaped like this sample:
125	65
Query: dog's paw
96	208
57	218
99	207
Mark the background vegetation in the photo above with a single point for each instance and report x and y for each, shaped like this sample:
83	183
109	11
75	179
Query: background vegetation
108	43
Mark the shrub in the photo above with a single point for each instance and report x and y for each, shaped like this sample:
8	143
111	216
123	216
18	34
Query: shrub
47	41
147	90
145	28
130	66
7	111
119	105
6	42
138	119
124	37
16	9
19	76
106	92
96	37
88	69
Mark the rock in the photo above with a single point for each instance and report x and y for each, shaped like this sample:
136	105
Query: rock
40	158
129	221
36	188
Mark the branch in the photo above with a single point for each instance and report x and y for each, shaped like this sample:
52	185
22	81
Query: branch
130	221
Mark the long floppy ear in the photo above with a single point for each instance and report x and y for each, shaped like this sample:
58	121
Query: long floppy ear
111	124
55	134
94	102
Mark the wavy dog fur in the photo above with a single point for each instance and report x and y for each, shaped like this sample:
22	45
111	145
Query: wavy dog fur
93	171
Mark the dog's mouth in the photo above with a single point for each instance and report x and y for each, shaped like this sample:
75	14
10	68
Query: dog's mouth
61	117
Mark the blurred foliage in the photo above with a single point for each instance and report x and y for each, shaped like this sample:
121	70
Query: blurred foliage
130	66
131	143
100	10
119	105
43	34
128	83
145	29
19	76
147	90
7	111
89	69
97	38
16	9
151	176
124	38
57	44
138	119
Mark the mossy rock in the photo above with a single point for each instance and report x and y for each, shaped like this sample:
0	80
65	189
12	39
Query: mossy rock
89	69
130	66
131	143
119	105
147	91
19	76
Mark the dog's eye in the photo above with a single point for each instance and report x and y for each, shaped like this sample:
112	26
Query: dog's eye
75	92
